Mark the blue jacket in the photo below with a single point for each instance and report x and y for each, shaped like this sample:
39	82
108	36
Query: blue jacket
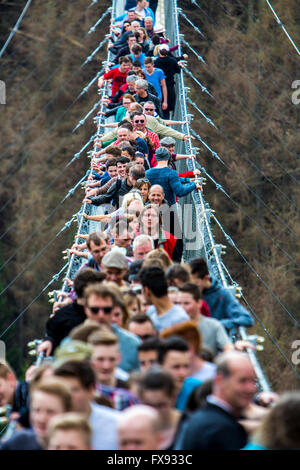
171	183
225	307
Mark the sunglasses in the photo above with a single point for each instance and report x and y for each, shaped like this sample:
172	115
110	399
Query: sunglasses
142	180
149	109
95	310
142	121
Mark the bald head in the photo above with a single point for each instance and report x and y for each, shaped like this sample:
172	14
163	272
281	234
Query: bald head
235	382
139	428
156	194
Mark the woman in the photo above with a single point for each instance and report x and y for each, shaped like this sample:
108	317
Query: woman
151	224
144	185
143	39
122	110
151	88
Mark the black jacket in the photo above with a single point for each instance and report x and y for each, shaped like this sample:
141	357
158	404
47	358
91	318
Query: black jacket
117	190
169	66
152	98
212	428
64	320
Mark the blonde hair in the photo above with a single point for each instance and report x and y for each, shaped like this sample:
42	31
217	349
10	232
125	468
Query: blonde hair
53	386
68	422
5	369
129	198
83	331
100	338
160	254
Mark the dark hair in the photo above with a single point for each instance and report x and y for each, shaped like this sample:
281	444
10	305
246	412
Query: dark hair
150	344
198	396
130	150
96	237
199	267
136	113
140	318
174	343
137	172
111	162
126	125
177	271
155	39
131	35
154	278
192	289
157	380
136	49
137	63
123	160
125	60
113	150
85	277
80	370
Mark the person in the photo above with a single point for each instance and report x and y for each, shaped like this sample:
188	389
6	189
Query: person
144	185
71	315
212	331
143	39
151	224
169	179
217	426
148	353
97	245
279	429
177	275
139	123
174	356
115	265
199	369
155	289
80	378
170	67
99	305
139	429
142	95
158	79
223	305
137	54
156	388
142	326
48	398
118	75
123	51
69	431
142	245
104	360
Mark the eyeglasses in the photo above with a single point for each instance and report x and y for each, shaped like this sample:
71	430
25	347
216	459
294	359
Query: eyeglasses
95	310
142	121
149	109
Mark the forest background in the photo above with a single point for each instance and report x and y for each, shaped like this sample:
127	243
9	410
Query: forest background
251	67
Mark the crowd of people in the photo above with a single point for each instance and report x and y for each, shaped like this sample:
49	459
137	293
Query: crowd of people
138	354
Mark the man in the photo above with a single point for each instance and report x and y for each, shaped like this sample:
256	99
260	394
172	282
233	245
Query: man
174	356
115	264
131	40
157	389
138	120
134	138
69	431
212	331
170	67
121	173
137	54
49	397
79	377
148	22
158	79
142	10
139	429
66	318
98	245
169	179
223	305
170	220
148	353
104	360
118	75
100	302
142	326
142	245
199	369
177	275
142	95
155	290
216	426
